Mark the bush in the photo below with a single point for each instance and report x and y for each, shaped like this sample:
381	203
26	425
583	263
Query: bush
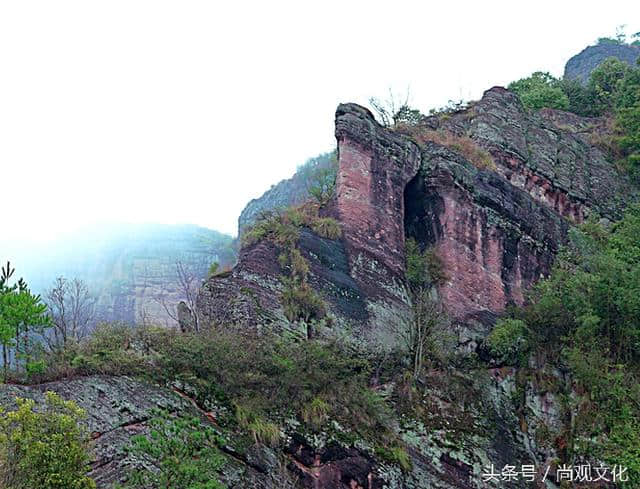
604	81
283	227
396	455
46	450
508	340
582	100
300	302
316	412
319	176
423	268
327	227
180	452
540	90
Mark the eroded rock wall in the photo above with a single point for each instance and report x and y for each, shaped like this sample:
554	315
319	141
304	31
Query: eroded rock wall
496	229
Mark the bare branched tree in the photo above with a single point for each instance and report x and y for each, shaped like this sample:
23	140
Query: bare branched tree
188	281
395	110
421	334
72	309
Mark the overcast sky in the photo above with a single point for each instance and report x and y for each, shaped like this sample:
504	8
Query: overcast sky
183	111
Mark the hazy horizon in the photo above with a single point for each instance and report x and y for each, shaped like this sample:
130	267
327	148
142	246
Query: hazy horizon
173	113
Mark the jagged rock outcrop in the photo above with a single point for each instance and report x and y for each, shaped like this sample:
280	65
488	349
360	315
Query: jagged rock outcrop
495	229
119	408
582	64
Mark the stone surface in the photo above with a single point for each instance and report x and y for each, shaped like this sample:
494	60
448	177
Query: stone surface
117	408
582	64
496	230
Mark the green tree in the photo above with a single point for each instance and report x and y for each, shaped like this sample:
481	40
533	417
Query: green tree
540	90
582	99
319	176
44	450
604	82
181	453
585	317
21	313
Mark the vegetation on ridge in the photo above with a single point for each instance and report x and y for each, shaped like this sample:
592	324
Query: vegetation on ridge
585	316
613	91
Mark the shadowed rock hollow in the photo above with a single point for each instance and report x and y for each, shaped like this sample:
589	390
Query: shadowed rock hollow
496	230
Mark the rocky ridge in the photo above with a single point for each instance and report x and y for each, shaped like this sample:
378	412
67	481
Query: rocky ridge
582	64
495	229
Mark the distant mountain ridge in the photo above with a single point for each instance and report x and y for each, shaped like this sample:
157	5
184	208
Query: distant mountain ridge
130	268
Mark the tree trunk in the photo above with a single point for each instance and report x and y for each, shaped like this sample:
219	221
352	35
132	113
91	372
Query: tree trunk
4	361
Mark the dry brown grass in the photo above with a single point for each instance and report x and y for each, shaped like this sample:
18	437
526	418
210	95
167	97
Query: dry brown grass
464	145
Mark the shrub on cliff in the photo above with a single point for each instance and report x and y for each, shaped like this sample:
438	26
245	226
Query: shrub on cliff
301	303
508	341
462	144
180	452
605	81
282	227
586	316
44	450
540	90
319	176
423	267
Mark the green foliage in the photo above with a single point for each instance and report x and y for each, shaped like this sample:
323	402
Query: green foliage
508	340
540	90
316	412
179	452
593	294
261	431
587	313
392	113
282	227
44	450
609	40
327	227
582	99
300	302
395	454
319	176
604	82
423	267
21	313
259	378
108	351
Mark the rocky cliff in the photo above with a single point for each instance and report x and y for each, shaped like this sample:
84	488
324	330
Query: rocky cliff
492	191
582	64
130	270
496	229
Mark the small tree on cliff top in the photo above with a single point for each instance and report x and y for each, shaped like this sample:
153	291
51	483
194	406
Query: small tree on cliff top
392	112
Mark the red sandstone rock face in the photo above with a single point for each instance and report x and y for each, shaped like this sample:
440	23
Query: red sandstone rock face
495	231
498	231
374	168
